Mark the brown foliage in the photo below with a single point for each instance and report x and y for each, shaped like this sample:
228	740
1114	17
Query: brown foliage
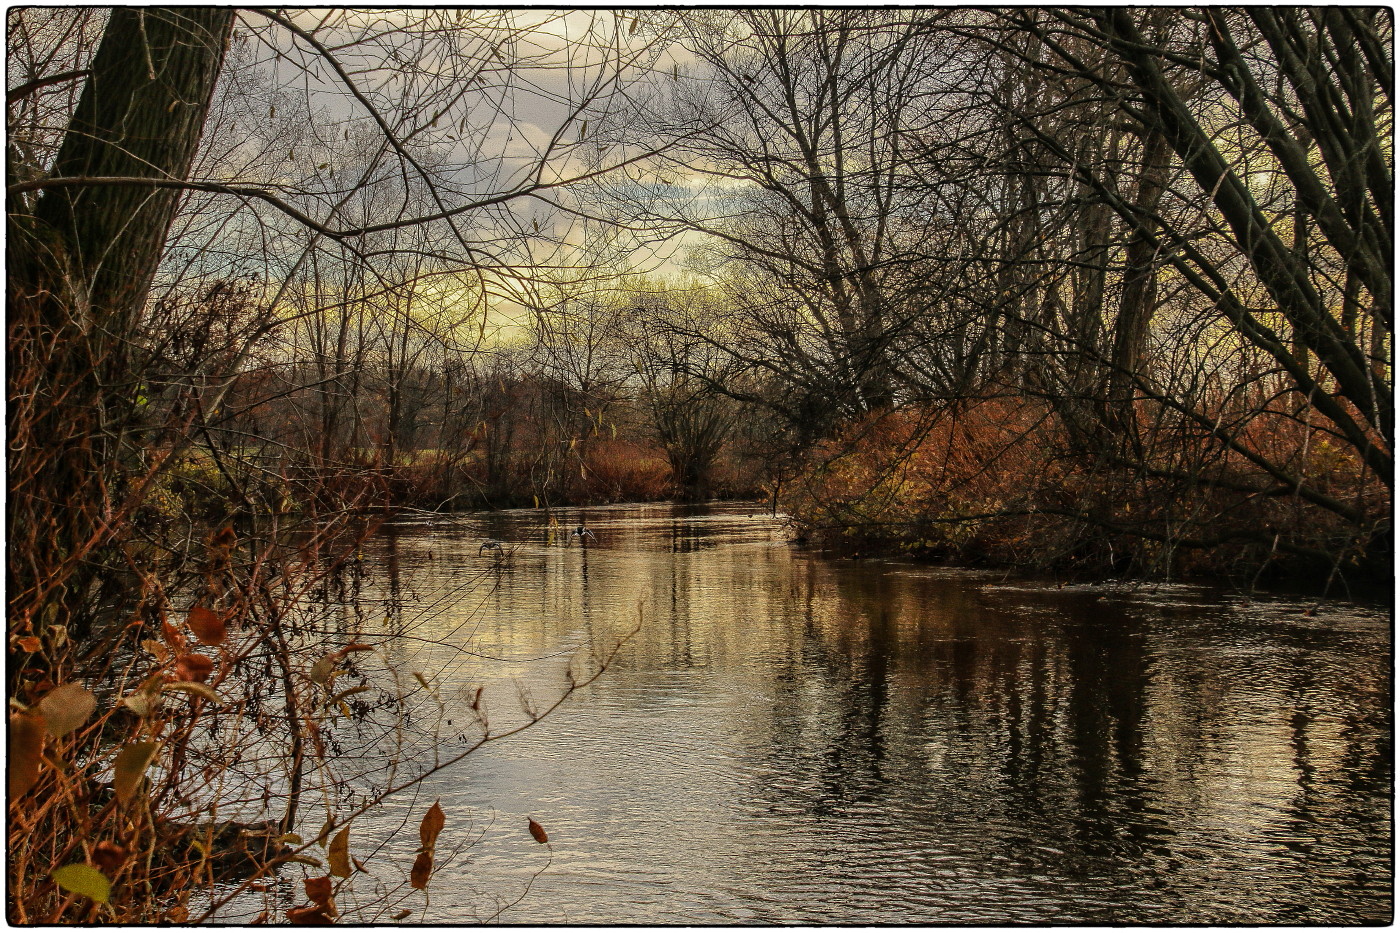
1002	481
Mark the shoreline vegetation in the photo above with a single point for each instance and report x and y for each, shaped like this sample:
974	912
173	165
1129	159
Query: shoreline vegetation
1090	292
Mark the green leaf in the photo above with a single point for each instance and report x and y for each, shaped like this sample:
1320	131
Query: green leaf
66	707
130	766
84	880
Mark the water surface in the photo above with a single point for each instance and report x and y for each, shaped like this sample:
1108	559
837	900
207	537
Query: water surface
786	738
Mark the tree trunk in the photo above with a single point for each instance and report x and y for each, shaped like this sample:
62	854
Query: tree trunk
80	269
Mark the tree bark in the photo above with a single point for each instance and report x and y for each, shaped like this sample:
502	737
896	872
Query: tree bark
81	266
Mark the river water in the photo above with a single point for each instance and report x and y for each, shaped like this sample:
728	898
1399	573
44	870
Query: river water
787	738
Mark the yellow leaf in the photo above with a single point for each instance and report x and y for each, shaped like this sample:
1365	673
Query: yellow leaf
338	855
84	880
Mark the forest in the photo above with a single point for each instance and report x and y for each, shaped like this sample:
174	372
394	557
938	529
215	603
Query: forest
1087	292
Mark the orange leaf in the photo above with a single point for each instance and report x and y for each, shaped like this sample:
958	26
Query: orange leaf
31	644
432	824
221	543
309	916
26	751
109	856
319	890
207	625
538	832
195	667
422	870
173	636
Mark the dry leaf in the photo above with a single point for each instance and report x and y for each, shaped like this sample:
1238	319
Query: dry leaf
207	625
157	648
143	702
422	870
109	856
173	637
338	855
319	890
538	832
197	689
30	643
196	667
432	824
309	916
66	707
130	766
321	671
26	751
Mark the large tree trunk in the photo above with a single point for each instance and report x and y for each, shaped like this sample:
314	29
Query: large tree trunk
81	266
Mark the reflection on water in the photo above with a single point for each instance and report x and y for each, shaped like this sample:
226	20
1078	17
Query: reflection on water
791	739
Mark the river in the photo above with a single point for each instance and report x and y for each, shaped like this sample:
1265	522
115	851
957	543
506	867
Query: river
788	738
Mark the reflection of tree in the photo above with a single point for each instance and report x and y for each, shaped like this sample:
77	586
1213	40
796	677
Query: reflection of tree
1087	742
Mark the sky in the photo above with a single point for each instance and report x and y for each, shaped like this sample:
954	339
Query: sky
478	97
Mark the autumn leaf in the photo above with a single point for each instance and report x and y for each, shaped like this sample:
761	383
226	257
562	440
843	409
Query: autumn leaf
319	891
207	625
432	824
197	689
538	832
422	870
30	644
195	667
321	671
84	880
66	707
222	541
173	637
338	855
144	701
309	916
130	766
109	855
26	751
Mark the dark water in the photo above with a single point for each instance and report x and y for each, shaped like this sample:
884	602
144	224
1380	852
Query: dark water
791	739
